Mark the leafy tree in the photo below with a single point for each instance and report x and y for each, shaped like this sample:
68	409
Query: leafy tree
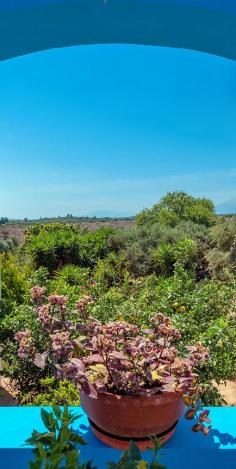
177	206
3	220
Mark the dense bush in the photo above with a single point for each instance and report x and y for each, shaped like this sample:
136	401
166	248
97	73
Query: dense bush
73	275
183	252
9	246
53	392
177	206
141	244
221	257
25	375
54	246
112	270
14	283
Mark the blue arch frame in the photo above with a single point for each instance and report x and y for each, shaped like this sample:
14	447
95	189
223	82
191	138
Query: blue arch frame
32	25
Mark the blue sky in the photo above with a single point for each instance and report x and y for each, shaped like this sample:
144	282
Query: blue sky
109	129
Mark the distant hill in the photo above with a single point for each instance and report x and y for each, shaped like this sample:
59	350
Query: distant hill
111	214
227	208
71	219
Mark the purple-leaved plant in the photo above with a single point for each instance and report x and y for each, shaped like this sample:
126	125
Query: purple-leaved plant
116	357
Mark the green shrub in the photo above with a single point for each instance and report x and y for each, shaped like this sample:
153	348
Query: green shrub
25	375
139	243
73	275
177	206
14	284
112	270
9	246
220	265
54	246
38	277
183	253
95	245
72	281
53	392
164	257
223	235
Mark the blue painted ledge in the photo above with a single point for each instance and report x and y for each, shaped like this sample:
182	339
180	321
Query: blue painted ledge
186	450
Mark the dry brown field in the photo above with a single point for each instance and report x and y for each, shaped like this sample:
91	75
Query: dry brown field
9	231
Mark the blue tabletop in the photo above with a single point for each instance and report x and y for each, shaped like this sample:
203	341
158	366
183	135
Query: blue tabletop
185	450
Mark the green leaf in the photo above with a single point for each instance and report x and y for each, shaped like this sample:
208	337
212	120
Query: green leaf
42	451
47	438
56	458
157	465
56	448
76	438
57	411
46	418
134	451
35	465
74	417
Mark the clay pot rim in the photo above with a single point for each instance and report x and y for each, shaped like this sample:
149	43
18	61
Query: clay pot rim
162	395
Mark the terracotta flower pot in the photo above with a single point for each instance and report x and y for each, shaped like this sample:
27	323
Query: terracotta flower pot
116	420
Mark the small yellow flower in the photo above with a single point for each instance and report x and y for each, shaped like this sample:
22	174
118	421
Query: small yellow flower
155	375
220	344
119	318
182	309
142	465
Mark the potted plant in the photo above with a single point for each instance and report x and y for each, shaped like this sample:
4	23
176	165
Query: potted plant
133	382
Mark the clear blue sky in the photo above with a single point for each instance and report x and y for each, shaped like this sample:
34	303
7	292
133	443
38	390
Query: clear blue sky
96	129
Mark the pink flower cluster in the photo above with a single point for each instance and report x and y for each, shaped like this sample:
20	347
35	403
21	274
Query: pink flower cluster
37	293
61	343
163	325
198	354
44	315
58	300
26	347
82	303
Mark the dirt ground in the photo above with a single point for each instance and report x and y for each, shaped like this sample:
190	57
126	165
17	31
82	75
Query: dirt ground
7	394
228	392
